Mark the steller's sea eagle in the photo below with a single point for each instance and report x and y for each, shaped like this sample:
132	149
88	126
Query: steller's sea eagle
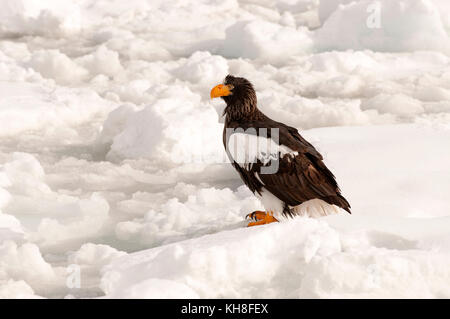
276	163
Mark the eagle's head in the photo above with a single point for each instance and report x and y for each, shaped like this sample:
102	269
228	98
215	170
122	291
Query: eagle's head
239	95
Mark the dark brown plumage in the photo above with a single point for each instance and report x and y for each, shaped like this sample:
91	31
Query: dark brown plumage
300	177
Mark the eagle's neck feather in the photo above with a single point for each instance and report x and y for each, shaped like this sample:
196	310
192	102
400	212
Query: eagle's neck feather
243	109
242	112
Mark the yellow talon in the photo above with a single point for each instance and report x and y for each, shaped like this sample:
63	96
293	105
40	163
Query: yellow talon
267	218
256	215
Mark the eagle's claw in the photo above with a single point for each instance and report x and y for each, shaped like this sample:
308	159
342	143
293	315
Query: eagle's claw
261	218
256	215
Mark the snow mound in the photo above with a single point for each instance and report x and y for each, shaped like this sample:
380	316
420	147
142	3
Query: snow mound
265	40
305	258
170	131
89	218
10	228
234	264
25	265
92	254
202	68
64	219
382	26
398	104
46	108
56	65
205	210
26	174
16	290
102	61
46	17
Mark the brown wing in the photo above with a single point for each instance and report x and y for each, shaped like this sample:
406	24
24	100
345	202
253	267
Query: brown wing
299	178
304	176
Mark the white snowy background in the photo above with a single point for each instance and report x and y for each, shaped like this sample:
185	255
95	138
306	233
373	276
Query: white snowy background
112	182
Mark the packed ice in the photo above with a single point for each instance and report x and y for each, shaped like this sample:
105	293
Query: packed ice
114	182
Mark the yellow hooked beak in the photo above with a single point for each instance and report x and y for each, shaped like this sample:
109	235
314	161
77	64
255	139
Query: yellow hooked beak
221	90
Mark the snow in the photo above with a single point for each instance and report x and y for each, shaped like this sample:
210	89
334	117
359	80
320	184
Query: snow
383	25
398	104
112	166
260	40
305	258
177	219
25	264
16	290
47	108
36	18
